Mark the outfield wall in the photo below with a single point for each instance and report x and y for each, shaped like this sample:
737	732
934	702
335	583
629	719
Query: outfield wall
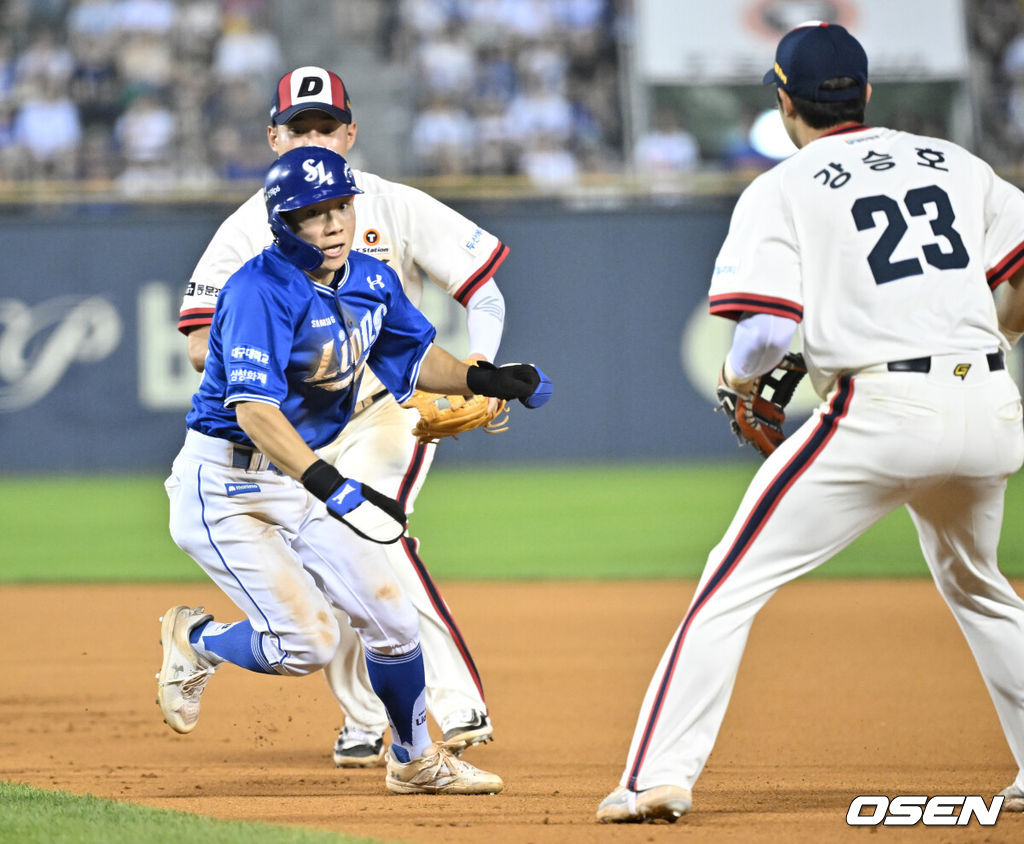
610	302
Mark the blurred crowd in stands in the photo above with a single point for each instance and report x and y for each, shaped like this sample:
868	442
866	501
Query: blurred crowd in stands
508	87
150	93
156	95
996	30
165	95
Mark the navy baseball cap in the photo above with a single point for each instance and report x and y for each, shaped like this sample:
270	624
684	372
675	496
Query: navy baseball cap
307	88
816	51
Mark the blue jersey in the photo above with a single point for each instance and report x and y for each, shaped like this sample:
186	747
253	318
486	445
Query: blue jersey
280	338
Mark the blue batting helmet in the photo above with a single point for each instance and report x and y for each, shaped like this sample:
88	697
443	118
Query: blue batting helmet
304	176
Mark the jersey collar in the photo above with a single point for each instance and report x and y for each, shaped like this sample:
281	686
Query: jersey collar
845	129
335	283
341	276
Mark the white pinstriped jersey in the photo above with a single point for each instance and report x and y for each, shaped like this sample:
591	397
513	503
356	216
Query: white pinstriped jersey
882	244
412	232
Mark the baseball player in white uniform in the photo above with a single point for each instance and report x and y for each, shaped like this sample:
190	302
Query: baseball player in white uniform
884	249
420	238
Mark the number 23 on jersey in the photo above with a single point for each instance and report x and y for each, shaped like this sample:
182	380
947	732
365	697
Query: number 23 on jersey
947	252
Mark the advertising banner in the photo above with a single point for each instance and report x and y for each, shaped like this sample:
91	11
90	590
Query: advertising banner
733	41
612	304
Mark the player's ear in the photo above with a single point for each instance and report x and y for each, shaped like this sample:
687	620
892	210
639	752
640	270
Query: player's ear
786	103
352	129
867	93
272	137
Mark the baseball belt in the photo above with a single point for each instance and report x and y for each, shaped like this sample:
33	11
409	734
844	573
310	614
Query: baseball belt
365	403
995	363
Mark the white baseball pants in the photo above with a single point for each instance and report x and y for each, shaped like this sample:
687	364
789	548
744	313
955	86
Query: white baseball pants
940	444
377	447
274	550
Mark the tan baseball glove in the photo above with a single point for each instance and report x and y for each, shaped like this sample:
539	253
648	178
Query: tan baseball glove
448	416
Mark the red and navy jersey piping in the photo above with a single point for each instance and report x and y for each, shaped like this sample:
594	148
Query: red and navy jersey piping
1007	267
482	275
194	318
732	305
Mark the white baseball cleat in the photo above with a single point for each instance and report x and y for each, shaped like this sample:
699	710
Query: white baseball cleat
357	748
439	771
661	803
184	673
465	728
1014	799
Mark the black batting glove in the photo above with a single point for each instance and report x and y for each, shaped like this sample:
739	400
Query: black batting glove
521	381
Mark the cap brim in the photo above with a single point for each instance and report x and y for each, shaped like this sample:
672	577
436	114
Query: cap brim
335	112
770	78
313	197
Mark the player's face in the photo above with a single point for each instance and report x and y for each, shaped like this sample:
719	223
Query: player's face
330	226
312	128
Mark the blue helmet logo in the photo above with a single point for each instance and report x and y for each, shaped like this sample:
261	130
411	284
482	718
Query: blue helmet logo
301	177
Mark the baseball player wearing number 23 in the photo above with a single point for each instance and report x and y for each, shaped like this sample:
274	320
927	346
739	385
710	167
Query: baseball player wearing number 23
275	526
883	248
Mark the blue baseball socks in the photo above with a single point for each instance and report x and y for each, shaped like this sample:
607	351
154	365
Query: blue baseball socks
399	683
236	643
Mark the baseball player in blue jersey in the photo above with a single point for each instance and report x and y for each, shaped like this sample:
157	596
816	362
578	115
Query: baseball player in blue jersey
428	245
274	525
883	248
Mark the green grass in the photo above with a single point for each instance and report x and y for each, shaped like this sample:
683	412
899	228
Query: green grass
612	521
590	522
55	817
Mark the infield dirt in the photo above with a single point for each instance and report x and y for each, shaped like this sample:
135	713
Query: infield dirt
847	688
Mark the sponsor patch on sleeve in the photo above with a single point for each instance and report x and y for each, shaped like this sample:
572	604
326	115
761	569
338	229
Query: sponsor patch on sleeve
473	242
245	375
252	355
248	365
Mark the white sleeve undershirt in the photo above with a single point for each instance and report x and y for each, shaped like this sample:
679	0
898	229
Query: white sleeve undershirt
485	320
759	342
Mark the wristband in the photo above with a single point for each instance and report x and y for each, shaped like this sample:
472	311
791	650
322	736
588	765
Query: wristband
321	479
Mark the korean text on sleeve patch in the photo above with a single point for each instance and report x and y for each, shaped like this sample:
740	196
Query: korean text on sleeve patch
248	365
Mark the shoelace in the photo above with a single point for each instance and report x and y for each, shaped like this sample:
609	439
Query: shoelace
194	684
444	763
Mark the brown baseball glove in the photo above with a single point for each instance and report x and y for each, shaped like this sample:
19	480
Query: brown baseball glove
449	416
756	417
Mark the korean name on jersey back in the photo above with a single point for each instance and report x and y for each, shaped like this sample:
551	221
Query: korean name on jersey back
883	244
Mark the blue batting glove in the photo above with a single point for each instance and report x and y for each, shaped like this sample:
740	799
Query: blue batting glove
369	513
543	392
